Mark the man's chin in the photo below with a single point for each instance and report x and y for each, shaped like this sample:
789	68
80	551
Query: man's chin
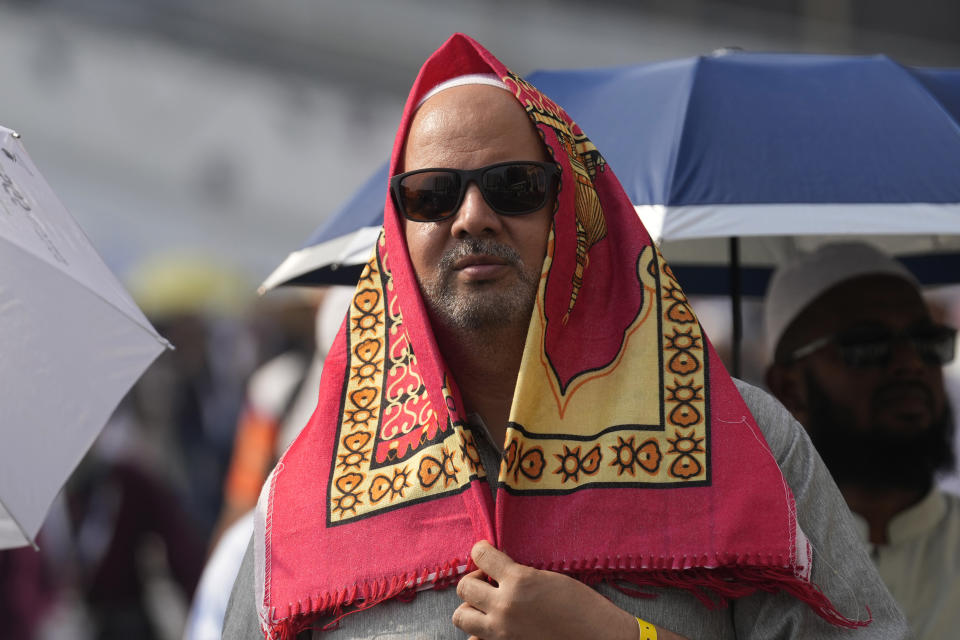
893	455
481	309
480	305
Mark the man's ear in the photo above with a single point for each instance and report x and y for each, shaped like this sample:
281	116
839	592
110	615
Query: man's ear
788	384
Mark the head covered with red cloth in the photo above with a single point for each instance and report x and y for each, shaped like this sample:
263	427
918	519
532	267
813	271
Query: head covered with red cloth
629	453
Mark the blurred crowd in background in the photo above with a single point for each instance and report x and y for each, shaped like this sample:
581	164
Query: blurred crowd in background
187	450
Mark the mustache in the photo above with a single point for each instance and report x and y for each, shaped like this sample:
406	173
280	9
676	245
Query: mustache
900	385
478	246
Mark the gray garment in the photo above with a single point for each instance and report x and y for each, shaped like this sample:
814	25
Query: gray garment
841	568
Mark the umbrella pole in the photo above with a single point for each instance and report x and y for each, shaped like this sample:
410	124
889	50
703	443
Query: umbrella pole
735	296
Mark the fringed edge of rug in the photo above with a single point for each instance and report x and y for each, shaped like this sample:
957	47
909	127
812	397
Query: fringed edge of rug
325	611
714	588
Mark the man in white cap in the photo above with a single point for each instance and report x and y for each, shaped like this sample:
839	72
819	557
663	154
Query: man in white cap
857	359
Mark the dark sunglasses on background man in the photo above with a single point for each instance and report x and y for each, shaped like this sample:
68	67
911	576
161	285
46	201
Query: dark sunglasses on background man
510	188
873	345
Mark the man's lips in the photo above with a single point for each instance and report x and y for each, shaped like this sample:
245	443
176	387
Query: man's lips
477	259
906	398
480	267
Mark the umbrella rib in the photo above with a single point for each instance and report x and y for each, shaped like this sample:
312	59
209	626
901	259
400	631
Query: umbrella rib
682	123
929	95
13	519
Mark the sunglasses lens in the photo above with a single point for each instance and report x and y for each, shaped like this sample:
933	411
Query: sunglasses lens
515	188
865	354
935	344
431	195
510	189
868	346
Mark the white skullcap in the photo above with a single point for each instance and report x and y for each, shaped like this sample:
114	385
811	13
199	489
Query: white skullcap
795	285
468	78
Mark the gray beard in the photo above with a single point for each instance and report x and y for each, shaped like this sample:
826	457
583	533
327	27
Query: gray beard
480	307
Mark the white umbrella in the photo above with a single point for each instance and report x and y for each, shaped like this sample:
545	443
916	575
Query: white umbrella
73	343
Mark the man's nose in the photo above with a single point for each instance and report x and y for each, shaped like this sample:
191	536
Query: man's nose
475	217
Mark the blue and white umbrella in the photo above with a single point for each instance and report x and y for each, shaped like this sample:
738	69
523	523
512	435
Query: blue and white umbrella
783	151
778	151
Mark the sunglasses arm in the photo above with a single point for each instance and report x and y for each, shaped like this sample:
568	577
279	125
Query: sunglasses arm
807	349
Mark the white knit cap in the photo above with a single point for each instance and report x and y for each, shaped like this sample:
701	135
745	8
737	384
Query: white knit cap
795	285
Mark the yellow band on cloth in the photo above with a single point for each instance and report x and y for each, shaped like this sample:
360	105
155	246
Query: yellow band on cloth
647	630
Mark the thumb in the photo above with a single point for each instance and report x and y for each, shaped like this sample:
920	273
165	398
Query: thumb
490	560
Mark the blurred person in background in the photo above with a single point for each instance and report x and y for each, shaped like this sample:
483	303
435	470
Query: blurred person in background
131	545
141	505
188	401
281	396
944	305
857	358
29	590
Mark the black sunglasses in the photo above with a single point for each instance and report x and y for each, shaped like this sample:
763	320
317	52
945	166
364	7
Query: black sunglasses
510	188
872	346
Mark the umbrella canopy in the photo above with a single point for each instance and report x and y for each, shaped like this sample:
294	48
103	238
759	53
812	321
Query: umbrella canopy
783	151
74	342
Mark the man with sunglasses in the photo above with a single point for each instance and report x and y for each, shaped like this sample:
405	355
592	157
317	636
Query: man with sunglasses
520	367
858	361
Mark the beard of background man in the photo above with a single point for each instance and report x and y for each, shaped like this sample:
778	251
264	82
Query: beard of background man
873	457
481	305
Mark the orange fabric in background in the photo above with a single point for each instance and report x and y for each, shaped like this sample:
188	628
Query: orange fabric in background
252	459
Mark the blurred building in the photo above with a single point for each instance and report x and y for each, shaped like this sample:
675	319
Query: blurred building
235	127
